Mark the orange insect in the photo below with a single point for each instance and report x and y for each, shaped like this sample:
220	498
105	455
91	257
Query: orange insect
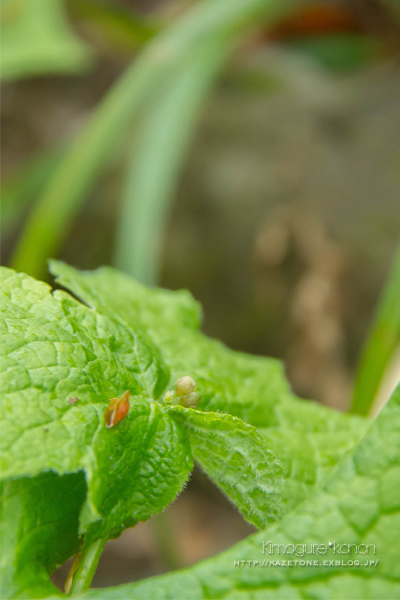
117	409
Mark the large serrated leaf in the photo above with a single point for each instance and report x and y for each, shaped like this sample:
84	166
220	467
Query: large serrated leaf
307	438
138	339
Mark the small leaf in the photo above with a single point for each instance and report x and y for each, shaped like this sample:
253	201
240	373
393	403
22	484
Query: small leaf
237	459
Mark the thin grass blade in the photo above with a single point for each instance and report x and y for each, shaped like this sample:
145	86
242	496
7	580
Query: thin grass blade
382	342
160	148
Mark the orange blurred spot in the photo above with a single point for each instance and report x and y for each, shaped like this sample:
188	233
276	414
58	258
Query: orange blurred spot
315	19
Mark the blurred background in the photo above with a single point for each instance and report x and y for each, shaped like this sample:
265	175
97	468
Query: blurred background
246	151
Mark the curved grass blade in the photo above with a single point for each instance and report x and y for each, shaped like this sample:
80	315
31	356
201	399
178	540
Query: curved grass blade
19	190
159	151
49	222
383	340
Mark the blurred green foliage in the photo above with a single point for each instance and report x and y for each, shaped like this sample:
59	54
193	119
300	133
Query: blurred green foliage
143	81
341	51
122	27
36	39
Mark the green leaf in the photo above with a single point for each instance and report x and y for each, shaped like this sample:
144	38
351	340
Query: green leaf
53	349
128	337
235	457
36	40
227	381
307	438
359	505
249	387
382	342
34	546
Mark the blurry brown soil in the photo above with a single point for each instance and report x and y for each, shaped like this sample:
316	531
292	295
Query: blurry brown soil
316	361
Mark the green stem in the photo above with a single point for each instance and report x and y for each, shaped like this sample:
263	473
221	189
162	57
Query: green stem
167	541
87	567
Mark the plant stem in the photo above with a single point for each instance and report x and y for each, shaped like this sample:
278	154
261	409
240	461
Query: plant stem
87	567
166	541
